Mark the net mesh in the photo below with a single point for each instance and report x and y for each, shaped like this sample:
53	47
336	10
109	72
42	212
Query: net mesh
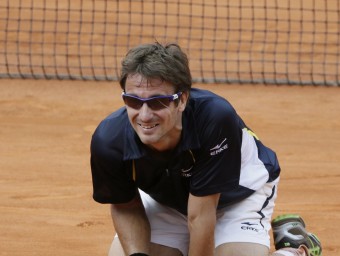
243	41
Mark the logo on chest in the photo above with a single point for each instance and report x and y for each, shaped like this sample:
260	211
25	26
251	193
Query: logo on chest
187	164
186	173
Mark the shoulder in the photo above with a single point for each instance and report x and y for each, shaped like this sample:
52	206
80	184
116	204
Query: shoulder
215	121
113	122
110	133
207	106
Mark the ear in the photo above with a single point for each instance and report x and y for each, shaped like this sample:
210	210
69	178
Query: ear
183	101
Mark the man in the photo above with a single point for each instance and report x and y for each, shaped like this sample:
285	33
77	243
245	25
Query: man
183	173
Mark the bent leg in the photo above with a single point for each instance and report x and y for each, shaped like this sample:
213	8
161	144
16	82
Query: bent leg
157	249
252	249
242	249
302	251
242	229
116	249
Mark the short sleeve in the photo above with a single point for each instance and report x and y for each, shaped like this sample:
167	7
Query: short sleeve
218	162
111	176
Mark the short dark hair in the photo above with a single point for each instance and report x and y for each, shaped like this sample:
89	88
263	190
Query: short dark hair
166	62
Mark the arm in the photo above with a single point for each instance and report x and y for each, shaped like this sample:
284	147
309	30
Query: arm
132	226
201	222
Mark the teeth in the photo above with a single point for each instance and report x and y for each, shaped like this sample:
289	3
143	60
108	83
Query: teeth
147	127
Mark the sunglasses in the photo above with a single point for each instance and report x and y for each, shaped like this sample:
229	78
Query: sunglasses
154	103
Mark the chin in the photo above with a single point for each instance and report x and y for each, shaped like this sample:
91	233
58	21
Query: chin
148	140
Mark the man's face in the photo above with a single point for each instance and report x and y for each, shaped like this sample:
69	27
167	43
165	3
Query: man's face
158	129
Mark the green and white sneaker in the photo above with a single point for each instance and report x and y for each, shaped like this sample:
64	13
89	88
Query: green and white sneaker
289	231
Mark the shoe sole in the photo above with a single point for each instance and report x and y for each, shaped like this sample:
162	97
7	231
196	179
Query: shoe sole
317	249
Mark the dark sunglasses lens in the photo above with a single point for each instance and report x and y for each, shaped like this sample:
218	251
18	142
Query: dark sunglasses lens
154	104
157	104
132	102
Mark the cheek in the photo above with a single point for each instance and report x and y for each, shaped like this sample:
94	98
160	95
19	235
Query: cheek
174	117
132	115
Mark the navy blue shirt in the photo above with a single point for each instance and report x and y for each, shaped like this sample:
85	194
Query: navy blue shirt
217	153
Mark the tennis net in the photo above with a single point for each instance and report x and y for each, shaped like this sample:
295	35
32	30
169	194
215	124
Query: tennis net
227	41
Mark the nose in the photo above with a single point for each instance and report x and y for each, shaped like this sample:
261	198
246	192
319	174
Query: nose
145	113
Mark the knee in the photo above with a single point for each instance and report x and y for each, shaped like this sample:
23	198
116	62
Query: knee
242	249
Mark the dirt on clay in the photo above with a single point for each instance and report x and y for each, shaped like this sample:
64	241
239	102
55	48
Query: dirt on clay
46	187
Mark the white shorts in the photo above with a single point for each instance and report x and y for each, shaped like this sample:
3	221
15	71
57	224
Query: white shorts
246	221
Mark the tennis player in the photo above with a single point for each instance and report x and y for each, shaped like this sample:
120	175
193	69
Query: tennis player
183	173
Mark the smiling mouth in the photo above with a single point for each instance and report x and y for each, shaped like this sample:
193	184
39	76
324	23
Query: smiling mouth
147	127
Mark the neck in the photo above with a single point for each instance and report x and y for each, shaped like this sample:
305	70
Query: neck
168	145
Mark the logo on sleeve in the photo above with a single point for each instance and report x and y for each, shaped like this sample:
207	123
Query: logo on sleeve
219	148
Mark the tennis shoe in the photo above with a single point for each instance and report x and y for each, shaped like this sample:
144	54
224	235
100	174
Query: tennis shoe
289	231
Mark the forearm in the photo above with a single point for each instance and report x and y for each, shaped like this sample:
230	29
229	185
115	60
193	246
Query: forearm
132	226
202	240
201	223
